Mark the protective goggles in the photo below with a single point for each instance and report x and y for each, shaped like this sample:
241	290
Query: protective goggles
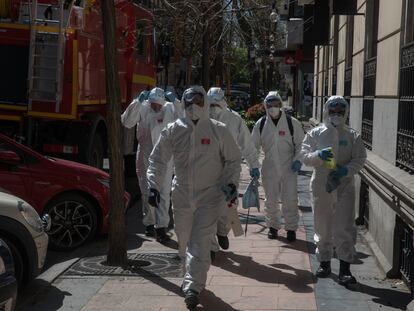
217	97
193	98
337	104
273	102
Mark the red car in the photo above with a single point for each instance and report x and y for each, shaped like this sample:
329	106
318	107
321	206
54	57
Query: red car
75	196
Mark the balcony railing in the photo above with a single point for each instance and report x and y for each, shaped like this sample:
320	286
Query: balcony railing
405	132
348	82
370	72
367	117
407	72
405	136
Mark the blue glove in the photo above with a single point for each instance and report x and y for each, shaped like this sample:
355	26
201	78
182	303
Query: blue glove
332	183
143	96
325	154
341	171
230	192
170	97
154	197
255	173
296	166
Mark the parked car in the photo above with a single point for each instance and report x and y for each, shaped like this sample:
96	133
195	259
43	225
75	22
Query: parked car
8	282
240	99
24	233
76	196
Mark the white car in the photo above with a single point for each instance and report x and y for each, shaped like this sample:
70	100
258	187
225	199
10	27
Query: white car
24	232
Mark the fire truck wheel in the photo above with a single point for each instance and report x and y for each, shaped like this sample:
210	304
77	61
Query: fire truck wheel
74	221
96	154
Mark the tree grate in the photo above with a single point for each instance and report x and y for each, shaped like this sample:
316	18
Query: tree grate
143	264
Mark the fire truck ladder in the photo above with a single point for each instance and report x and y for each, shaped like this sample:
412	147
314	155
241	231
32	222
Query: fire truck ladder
46	54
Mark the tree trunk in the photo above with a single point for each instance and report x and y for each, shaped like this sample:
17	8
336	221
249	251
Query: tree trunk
117	255
206	59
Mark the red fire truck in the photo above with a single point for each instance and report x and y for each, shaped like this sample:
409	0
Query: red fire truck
52	85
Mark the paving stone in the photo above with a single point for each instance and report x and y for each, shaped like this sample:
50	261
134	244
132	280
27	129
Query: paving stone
296	302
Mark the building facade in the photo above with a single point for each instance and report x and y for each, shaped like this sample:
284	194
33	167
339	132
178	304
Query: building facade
370	61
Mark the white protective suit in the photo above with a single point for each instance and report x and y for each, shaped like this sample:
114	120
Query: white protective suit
279	181
149	126
205	158
241	134
334	212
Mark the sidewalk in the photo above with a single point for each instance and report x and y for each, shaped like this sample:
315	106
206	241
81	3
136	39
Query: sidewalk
254	274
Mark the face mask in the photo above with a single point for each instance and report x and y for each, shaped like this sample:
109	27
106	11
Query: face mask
336	119
215	112
274	112
194	112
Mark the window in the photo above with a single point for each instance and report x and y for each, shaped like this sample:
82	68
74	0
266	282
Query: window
140	38
409	22
371	28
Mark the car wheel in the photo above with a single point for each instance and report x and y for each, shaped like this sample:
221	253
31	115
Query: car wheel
19	269
74	221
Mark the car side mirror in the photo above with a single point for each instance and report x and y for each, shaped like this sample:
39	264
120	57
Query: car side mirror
9	157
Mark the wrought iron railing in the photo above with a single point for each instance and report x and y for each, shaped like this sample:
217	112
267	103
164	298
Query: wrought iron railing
370	72
405	136
405	132
407	72
348	82
367	118
407	255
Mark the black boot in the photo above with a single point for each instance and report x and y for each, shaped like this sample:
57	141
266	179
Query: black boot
291	236
150	230
191	299
345	277
324	269
272	234
223	241
162	235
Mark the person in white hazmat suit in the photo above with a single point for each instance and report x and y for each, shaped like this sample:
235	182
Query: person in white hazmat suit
241	134
280	136
177	106
151	116
333	192
207	164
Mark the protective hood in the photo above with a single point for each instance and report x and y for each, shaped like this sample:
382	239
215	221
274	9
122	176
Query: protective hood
157	96
206	108
272	95
334	98
216	96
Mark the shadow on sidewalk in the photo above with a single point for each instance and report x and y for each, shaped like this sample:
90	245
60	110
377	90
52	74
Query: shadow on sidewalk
245	266
208	299
299	245
381	296
46	297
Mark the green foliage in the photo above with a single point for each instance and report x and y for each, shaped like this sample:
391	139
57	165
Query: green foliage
239	71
